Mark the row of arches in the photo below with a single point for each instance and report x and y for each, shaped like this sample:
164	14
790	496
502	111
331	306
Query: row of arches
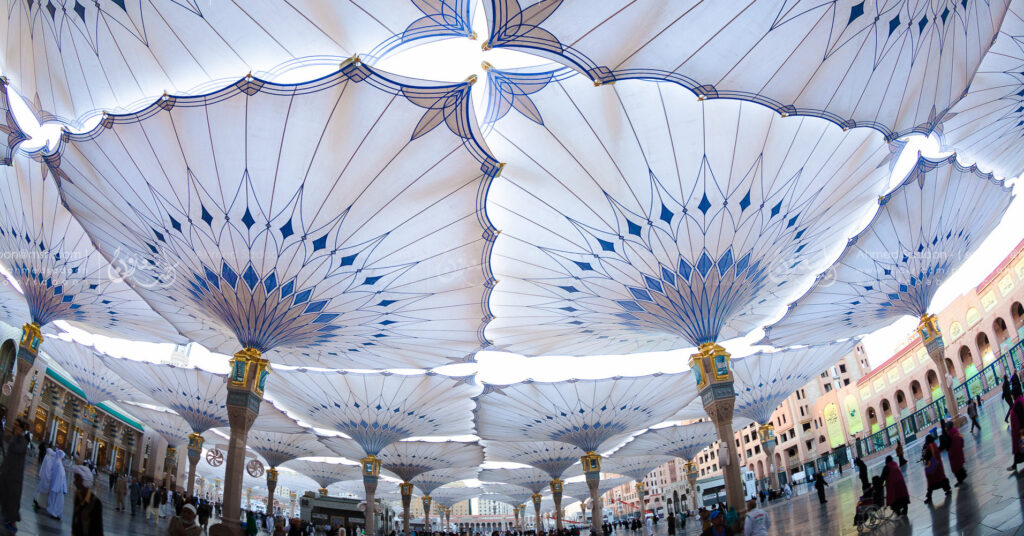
961	364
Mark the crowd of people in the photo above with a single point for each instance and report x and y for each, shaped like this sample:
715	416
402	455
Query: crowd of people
190	516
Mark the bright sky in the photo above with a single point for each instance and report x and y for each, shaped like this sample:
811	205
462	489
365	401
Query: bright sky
457	59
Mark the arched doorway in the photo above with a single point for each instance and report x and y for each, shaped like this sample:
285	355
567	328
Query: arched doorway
1017	314
916	391
1002	333
984	349
951	368
967	362
933	384
873	419
887	416
901	401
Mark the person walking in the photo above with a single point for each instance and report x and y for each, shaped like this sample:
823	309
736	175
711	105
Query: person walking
87	517
57	485
972	412
134	494
12	474
152	504
896	495
933	470
120	491
757	523
862	470
250	524
1016	417
820	484
899	453
955	451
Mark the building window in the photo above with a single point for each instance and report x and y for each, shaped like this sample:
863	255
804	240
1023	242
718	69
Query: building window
828	387
846	381
842	367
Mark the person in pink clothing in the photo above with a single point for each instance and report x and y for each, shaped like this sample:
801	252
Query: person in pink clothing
933	470
956	452
896	495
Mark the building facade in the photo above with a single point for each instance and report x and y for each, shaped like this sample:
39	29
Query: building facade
851	406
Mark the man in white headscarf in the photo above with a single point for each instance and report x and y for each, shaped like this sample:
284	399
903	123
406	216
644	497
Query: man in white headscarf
185	524
87	519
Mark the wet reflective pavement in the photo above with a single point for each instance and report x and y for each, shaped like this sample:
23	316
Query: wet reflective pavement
989	502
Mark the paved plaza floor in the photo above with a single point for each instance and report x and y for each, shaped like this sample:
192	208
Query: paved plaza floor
990	502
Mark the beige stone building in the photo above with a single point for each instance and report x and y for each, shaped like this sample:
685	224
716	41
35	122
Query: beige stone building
852	409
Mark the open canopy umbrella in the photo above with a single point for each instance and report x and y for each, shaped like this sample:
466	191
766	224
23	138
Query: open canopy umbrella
10	133
75	59
985	125
893	66
679	222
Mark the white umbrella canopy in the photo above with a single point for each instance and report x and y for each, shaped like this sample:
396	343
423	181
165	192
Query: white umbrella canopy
588	414
431	480
557	459
332	223
923	231
168	424
75	59
985	125
579	490
386	489
680	441
894	66
276	448
531	478
679	221
377	409
635	467
196	394
450	496
509	494
85	365
10	133
324	473
60	272
13	306
764	380
407	459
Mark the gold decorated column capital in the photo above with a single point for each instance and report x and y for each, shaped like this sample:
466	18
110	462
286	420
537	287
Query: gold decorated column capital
710	365
556	485
931	336
249	371
405	488
591	463
31	338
